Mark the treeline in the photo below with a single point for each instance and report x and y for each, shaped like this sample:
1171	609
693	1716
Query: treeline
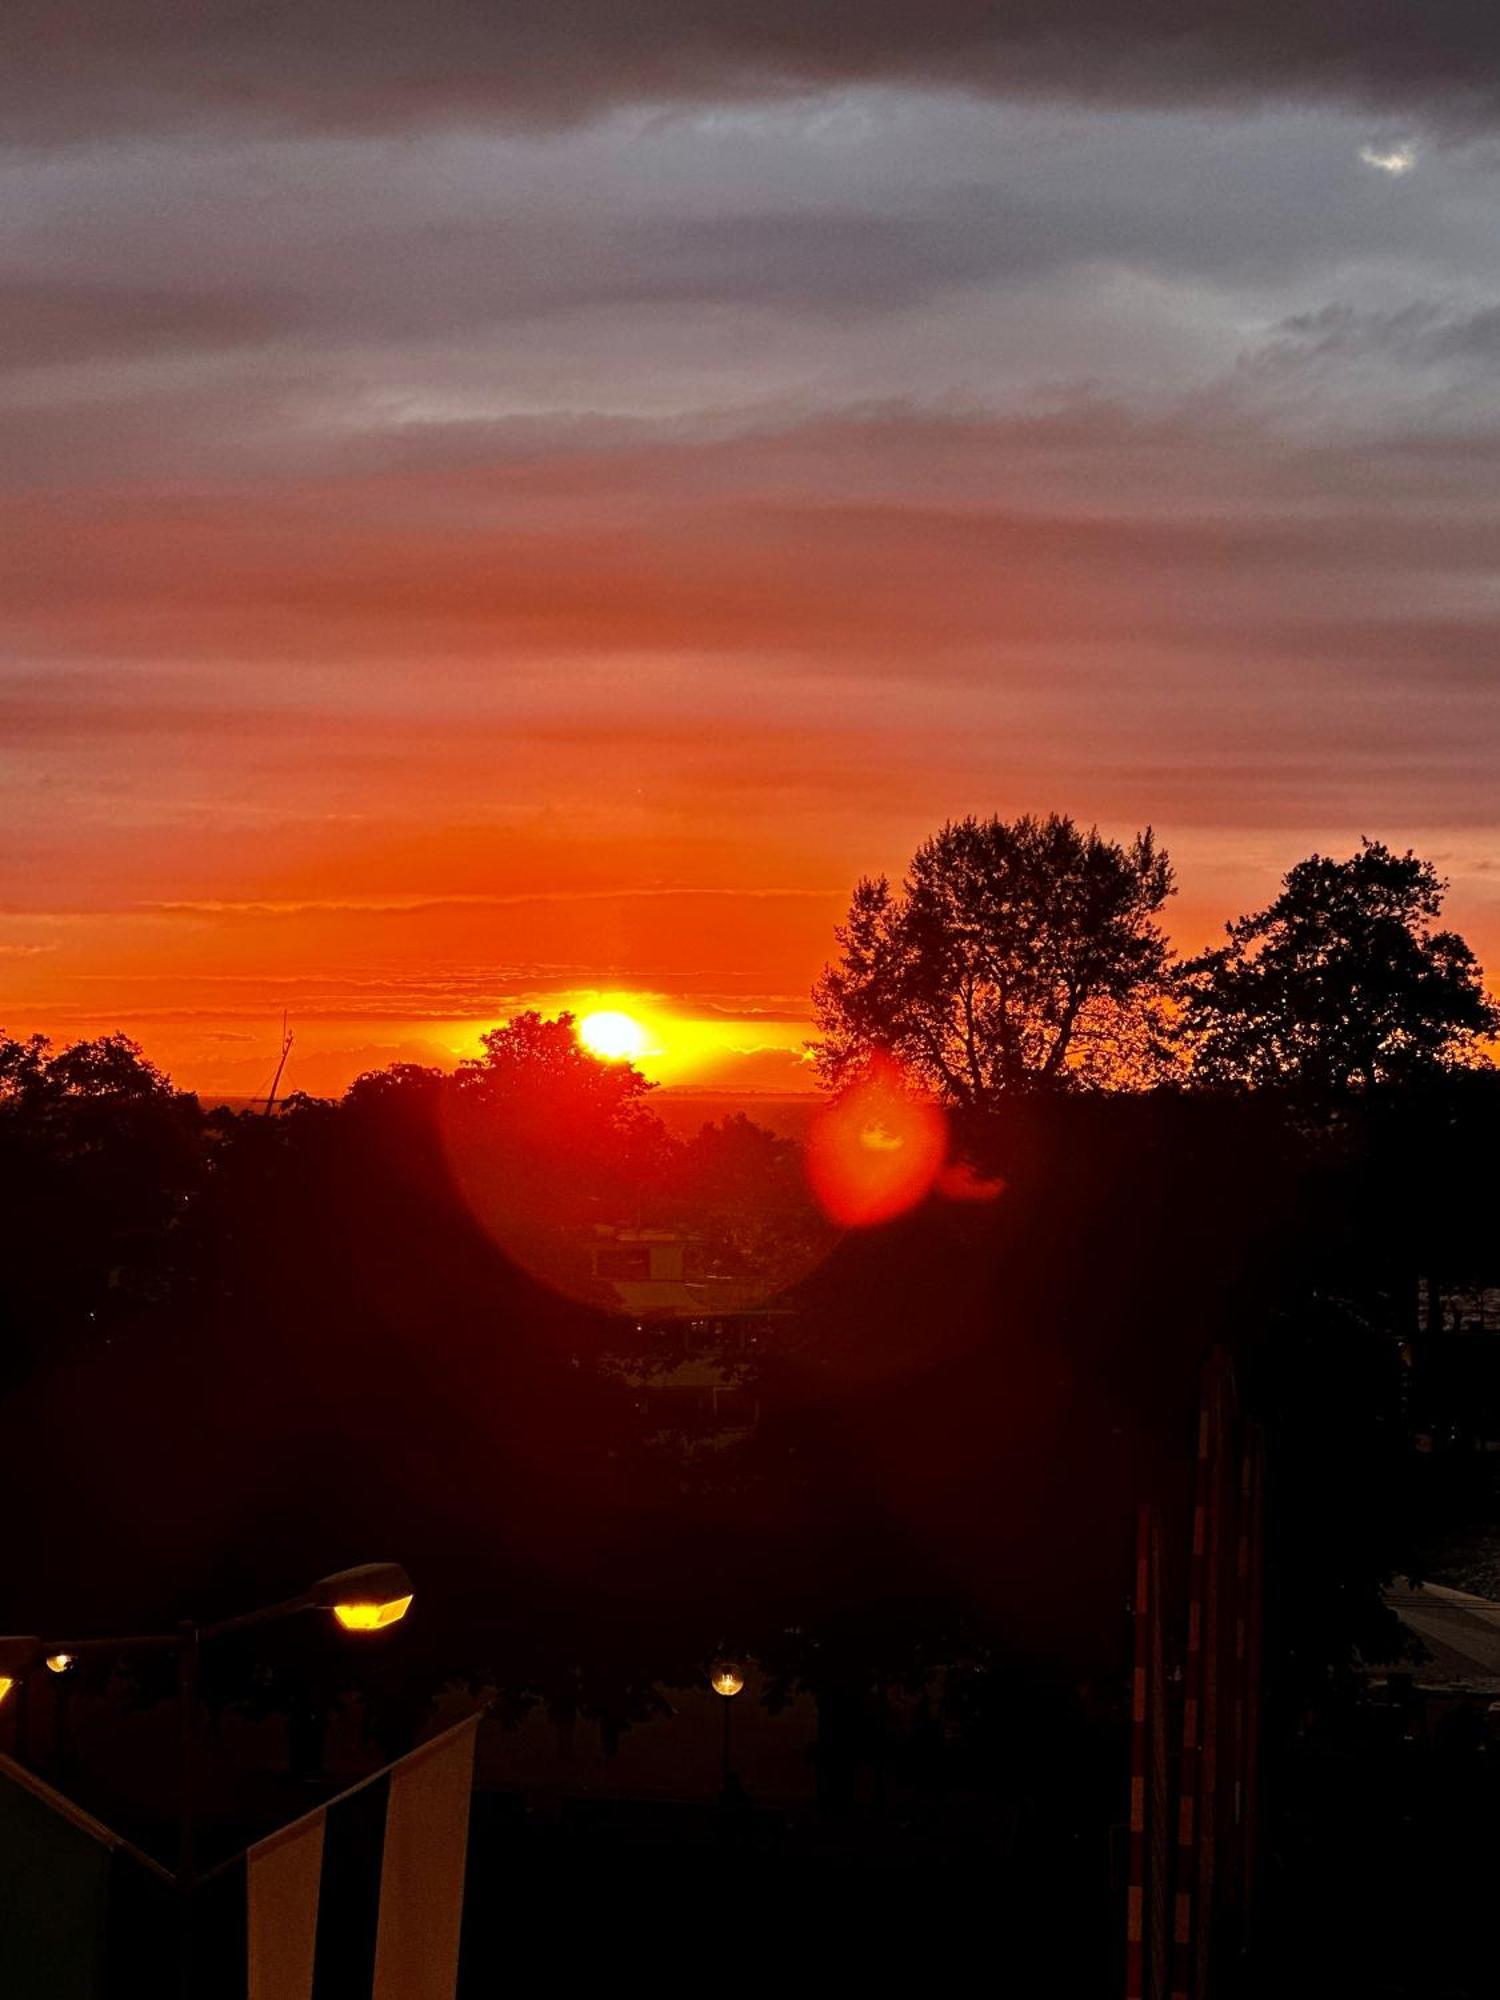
1028	954
239	1350
126	1200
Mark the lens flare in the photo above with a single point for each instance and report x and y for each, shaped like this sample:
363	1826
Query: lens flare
962	1183
876	1151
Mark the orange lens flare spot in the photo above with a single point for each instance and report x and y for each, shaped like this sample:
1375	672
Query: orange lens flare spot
613	1037
960	1182
876	1151
371	1617
59	1663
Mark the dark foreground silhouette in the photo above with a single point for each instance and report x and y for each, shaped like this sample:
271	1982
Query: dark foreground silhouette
243	1351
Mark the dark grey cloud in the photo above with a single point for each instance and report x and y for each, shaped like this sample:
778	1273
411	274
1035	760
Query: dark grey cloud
591	265
55	324
421	283
1424	333
93	66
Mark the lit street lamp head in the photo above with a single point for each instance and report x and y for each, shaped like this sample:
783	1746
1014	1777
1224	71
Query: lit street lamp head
726	1679
365	1599
60	1663
372	1617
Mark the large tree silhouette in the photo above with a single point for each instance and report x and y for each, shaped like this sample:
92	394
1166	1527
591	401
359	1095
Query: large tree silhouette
1343	983
1018	954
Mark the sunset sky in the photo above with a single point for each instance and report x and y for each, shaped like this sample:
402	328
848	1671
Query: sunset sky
523	504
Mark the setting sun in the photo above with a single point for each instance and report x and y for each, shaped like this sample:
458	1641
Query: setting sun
614	1037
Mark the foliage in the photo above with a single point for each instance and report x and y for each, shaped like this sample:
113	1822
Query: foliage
1343	983
100	1163
541	1075
1017	955
243	1350
740	1194
111	1068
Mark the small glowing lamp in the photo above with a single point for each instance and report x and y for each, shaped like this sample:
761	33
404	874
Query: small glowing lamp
372	1617
59	1663
365	1599
17	1656
726	1679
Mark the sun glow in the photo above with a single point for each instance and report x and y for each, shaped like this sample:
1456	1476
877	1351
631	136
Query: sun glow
1393	160
677	1048
613	1036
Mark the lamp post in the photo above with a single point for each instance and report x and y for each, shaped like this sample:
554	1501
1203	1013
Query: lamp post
60	1666
727	1680
367	1598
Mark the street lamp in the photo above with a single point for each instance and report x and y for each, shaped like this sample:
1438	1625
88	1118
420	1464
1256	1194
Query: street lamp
727	1680
367	1598
364	1599
60	1666
19	1658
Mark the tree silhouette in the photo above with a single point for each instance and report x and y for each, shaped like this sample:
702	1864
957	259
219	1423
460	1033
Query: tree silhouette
741	1193
111	1068
23	1068
533	1067
1018	954
1341	984
100	1162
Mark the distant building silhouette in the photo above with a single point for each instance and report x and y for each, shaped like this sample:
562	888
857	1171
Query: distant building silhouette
706	1333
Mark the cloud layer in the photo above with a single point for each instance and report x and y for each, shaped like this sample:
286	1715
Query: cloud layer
539	506
96	65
